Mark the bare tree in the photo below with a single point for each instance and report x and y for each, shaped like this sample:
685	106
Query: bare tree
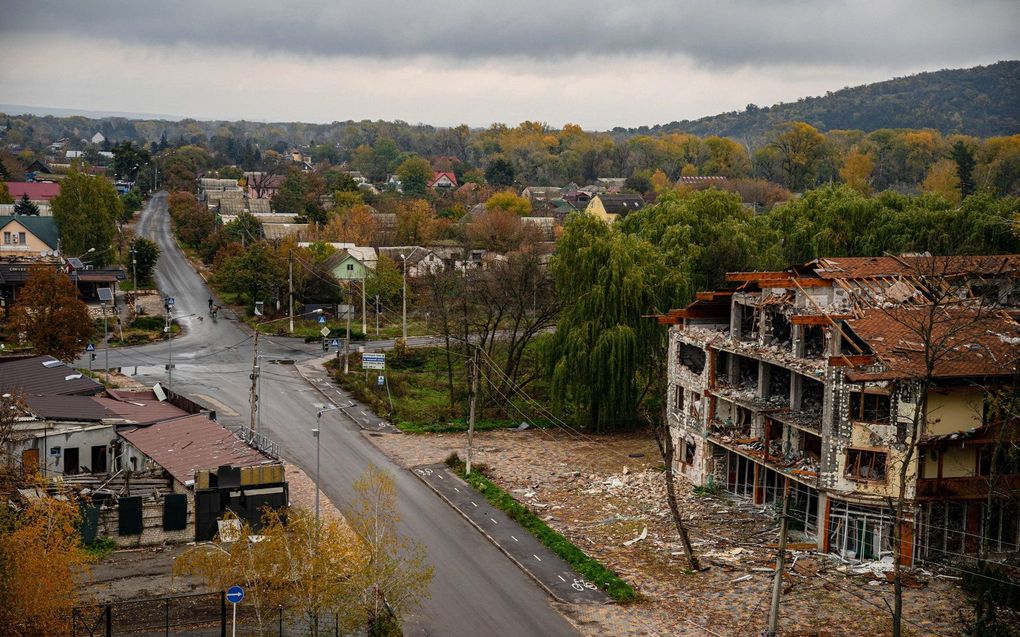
945	317
664	438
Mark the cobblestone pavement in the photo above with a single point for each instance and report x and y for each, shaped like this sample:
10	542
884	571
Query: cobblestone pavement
604	492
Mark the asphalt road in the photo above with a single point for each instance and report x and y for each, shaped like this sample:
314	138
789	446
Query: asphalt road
476	590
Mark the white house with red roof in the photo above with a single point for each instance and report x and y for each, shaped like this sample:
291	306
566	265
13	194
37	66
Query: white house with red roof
443	181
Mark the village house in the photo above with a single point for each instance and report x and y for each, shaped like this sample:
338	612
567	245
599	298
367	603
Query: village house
610	208
443	181
39	192
415	260
28	235
811	378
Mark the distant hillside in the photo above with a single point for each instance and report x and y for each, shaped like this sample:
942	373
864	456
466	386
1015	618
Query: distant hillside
983	101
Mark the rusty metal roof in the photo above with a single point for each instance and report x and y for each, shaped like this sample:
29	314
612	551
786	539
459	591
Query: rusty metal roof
185	445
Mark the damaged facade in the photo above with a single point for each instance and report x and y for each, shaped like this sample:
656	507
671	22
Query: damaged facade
809	377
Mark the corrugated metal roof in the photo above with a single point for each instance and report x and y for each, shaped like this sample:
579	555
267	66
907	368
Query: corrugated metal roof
143	409
68	408
36	190
185	445
32	378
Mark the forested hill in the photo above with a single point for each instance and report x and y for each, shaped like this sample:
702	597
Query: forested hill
983	101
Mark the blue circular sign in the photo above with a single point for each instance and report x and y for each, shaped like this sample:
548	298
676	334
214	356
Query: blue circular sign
235	594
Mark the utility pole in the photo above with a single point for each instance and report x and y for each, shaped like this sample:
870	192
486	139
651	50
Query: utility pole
777	583
347	341
377	316
404	276
254	398
169	345
364	311
290	294
106	345
471	409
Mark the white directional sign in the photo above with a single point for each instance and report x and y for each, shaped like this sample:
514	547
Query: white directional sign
373	361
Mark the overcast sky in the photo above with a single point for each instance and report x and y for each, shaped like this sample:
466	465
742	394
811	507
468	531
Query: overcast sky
598	64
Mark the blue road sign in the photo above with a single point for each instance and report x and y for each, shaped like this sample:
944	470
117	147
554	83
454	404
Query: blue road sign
170	301
322	319
235	594
335	343
90	347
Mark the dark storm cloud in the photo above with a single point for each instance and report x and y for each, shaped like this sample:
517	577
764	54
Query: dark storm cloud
725	33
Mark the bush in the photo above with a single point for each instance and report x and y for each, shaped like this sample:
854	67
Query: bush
153	323
100	548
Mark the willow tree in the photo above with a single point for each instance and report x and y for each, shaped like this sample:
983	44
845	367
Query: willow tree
604	340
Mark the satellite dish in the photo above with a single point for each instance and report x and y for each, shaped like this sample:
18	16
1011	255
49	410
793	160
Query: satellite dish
43	253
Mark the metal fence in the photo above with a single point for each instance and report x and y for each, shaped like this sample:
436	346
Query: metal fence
193	615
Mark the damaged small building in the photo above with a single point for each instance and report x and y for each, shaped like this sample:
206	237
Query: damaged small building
811	379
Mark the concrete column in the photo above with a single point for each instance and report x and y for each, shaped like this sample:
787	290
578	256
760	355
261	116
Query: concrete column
823	522
733	369
764	375
835	341
735	311
796	390
797	336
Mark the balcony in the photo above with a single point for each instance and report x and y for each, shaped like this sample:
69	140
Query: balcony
964	488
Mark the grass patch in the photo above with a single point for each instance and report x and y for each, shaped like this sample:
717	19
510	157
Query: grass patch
420	390
585	565
100	548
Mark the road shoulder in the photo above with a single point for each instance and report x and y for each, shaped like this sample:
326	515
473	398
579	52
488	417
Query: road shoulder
553	574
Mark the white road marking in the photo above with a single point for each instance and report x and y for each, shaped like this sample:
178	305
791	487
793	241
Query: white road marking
493	521
514	539
536	557
561	578
456	489
439	476
473	504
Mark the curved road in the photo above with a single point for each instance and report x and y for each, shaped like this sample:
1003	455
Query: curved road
476	589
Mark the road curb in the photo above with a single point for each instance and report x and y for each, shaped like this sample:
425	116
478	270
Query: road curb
361	425
491	540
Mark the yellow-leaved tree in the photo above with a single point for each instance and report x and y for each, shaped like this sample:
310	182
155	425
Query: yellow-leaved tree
347	570
41	564
943	179
856	171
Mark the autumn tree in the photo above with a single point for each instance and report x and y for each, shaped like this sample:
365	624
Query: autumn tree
944	180
509	202
353	225
801	149
50	316
856	171
41	566
86	211
414	222
303	567
499	230
254	274
396	571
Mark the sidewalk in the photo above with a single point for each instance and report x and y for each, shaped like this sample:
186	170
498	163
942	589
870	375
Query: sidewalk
315	374
545	567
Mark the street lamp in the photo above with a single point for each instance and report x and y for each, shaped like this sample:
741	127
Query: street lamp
316	433
254	424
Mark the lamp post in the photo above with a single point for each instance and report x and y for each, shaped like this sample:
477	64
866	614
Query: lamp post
256	418
316	433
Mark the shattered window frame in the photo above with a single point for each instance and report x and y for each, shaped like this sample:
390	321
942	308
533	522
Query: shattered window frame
868	465
865	406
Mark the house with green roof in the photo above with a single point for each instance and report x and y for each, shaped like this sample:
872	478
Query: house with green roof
27	236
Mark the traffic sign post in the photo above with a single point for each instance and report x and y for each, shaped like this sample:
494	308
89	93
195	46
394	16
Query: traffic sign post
373	361
322	320
234	595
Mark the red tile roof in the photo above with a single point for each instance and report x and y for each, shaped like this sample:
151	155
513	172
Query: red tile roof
185	445
439	175
36	190
885	267
965	344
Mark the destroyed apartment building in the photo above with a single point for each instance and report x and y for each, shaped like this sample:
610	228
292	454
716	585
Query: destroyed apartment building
811	378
